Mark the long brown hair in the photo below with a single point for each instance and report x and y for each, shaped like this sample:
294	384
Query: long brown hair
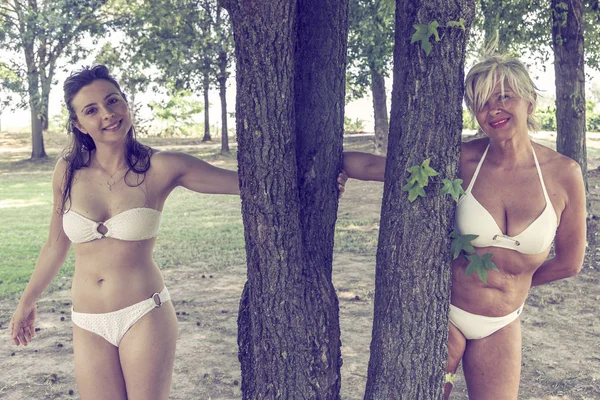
78	153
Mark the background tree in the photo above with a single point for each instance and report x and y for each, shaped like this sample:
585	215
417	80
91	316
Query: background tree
177	113
591	18
370	45
410	327
188	41
567	42
520	27
290	72
225	47
43	31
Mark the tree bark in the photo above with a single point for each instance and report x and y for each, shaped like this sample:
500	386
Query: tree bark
223	96
382	125
222	79
205	88
33	82
410	327
567	43
45	102
290	100
37	137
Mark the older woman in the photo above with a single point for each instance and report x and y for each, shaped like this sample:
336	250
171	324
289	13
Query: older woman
520	198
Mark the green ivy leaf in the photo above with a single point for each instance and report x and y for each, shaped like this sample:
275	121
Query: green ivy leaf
421	173
418	179
453	188
423	33
461	243
457	24
480	264
414	190
427	169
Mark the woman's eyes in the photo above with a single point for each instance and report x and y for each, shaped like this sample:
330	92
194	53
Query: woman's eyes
503	97
110	101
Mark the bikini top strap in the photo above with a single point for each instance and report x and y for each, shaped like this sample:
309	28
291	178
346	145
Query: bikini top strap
477	169
539	171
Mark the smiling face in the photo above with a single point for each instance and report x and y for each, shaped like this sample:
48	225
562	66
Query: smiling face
102	112
504	114
493	84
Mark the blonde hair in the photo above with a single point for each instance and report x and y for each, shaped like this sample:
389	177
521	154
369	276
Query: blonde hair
483	77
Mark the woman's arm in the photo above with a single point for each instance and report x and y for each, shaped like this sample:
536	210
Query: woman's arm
50	260
570	240
194	174
364	166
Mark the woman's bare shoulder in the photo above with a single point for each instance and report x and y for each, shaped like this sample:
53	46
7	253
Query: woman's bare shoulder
163	159
61	167
473	149
563	168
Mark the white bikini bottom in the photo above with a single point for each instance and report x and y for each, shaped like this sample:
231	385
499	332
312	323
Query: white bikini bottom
475	326
113	325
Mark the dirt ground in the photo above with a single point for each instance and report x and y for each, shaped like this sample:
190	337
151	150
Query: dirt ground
561	327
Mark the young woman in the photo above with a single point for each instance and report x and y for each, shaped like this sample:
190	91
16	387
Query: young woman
109	192
520	198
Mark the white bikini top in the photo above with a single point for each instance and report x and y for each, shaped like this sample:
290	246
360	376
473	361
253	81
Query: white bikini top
139	223
473	219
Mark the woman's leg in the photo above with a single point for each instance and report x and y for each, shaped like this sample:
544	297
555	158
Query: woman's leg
147	353
456	348
492	365
97	367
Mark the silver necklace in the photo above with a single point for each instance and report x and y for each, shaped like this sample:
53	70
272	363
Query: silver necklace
111	180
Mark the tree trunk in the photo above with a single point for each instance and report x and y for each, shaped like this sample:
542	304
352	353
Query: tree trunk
382	125
410	327
205	88
320	84
223	97
37	137
567	42
33	90
290	99
44	119
45	103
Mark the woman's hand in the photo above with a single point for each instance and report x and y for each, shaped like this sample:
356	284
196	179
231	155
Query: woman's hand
22	328
342	178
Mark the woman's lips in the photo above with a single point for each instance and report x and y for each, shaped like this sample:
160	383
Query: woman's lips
499	123
113	127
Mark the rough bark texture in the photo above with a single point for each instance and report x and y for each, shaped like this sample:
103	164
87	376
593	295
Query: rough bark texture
382	125
410	328
567	41
290	99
